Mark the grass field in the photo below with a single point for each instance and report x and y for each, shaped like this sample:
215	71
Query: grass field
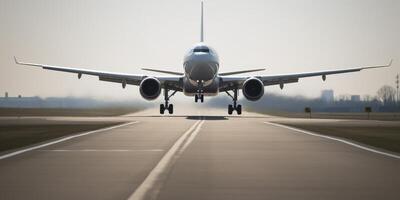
16	135
381	135
66	112
335	115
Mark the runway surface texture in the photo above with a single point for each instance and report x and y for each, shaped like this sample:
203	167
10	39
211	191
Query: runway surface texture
199	156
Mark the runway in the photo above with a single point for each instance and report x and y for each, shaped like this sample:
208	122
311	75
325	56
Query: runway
199	157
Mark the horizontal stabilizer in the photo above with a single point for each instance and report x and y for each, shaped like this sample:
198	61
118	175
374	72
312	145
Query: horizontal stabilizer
163	71
240	72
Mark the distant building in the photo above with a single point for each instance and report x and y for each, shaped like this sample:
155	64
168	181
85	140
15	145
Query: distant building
327	96
355	98
18	102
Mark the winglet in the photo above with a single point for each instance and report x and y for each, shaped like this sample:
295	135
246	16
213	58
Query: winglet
390	63
16	61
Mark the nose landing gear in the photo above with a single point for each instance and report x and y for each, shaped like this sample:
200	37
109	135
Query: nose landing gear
235	106
199	94
198	97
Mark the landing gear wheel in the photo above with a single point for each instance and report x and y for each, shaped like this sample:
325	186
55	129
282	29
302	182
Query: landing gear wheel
239	109
230	109
198	97
170	109
166	105
162	108
235	106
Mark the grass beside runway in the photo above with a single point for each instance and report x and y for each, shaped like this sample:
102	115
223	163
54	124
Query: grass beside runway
393	116
381	135
14	136
75	112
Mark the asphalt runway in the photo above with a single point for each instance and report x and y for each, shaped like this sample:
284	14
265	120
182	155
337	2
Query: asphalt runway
199	156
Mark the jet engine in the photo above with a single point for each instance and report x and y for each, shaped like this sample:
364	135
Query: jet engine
253	89
150	88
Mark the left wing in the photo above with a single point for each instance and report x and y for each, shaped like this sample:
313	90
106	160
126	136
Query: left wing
230	82
172	82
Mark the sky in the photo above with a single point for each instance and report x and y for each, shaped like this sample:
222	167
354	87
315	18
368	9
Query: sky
284	36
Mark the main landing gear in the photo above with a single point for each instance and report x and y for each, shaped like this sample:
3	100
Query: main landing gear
235	106
167	106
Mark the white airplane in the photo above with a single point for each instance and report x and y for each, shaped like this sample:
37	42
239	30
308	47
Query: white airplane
200	78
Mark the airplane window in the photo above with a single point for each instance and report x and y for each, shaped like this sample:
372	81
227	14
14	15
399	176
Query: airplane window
202	50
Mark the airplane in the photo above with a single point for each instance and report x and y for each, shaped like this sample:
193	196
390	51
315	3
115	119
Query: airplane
201	77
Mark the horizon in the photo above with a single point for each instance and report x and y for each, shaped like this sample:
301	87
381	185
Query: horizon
336	96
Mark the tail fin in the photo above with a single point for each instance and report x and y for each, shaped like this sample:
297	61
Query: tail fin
201	28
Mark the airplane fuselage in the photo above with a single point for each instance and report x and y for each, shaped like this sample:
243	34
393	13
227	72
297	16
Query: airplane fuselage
201	64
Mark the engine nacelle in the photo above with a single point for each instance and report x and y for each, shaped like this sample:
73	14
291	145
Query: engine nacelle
150	88
253	89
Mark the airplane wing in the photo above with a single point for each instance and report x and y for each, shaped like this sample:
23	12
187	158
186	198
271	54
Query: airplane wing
240	72
172	82
163	71
232	82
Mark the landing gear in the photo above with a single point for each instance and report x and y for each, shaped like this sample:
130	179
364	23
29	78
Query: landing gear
200	91
230	109
166	105
162	109
198	97
235	106
239	109
171	109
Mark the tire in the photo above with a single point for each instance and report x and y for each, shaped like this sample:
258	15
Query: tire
162	108
171	109
196	98
202	98
239	109
230	109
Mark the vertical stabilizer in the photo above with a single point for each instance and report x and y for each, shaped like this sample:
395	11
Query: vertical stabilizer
202	20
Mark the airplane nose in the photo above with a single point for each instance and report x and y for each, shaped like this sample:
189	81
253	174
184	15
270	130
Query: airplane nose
202	71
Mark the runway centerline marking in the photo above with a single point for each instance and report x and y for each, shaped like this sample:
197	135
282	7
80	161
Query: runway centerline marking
102	150
348	142
148	189
64	139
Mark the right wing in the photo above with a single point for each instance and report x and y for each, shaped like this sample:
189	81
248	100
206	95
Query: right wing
172	82
240	72
292	78
236	82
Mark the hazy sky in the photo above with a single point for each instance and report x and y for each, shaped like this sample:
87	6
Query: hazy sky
123	36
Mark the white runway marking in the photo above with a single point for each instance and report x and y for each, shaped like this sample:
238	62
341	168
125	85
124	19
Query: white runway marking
102	150
63	139
336	139
155	176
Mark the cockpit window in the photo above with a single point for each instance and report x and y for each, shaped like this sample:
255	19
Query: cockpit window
202	50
